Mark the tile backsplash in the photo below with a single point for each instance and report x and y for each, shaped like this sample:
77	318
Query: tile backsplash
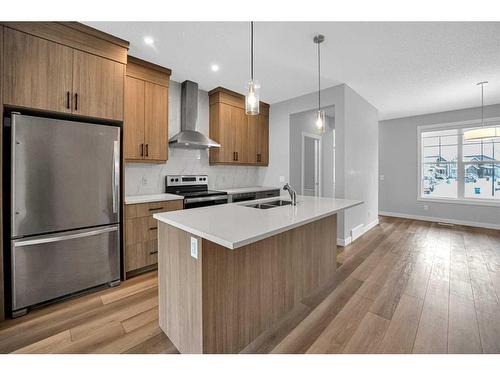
143	178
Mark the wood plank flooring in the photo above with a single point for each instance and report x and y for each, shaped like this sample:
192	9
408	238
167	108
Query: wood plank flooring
404	287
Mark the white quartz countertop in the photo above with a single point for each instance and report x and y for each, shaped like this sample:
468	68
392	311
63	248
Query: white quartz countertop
234	225
134	199
249	189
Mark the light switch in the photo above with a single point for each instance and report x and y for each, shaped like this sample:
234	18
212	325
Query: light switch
282	178
194	248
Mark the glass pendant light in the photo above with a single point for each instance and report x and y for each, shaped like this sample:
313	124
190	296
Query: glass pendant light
252	97
320	115
484	132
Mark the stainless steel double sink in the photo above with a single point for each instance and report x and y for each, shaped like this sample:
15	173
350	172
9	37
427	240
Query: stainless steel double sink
271	204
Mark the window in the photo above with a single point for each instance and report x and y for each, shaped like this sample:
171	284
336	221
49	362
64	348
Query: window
458	170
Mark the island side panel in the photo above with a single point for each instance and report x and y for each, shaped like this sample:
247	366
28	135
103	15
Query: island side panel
248	289
179	289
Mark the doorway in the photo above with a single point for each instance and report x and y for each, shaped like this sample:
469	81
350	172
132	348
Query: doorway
311	165
312	154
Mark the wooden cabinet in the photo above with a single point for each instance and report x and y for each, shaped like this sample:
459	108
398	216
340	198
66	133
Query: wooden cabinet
38	73
97	86
134	119
156	122
146	112
244	139
258	139
262	153
141	233
2	299
47	71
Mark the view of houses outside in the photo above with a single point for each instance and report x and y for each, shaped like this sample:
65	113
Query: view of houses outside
480	163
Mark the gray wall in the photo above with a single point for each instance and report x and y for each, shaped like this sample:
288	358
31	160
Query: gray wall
143	178
304	122
399	165
356	132
361	161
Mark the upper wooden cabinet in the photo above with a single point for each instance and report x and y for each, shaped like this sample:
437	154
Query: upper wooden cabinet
146	112
38	73
244	139
97	86
64	67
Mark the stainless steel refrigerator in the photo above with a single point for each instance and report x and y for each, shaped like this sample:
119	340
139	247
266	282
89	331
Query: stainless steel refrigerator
65	208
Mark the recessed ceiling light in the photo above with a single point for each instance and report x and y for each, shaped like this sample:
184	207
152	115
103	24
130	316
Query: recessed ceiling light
215	68
149	40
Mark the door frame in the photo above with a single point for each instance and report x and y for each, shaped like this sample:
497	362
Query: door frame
319	138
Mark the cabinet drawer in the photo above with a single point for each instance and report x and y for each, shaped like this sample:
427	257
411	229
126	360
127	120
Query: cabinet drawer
141	255
141	232
148	209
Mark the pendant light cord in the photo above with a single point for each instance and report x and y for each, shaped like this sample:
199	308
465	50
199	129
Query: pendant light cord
251	50
319	79
482	104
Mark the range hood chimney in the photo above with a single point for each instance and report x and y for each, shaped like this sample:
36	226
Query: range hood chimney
188	136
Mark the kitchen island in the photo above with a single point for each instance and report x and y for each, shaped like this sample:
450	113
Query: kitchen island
227	273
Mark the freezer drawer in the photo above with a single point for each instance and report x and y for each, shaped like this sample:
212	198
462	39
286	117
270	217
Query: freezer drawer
65	175
52	266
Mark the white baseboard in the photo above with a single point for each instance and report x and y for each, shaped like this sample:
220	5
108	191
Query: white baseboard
357	231
344	241
440	220
360	230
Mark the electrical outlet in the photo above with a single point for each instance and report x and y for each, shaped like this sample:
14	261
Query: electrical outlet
382	177
282	178
144	181
426	207
194	248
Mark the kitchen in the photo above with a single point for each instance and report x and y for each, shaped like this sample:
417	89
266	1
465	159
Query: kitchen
67	224
155	201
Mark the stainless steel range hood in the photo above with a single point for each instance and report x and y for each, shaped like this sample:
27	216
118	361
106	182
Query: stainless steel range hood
189	137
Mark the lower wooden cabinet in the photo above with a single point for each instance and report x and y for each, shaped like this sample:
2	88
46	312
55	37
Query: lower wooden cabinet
141	233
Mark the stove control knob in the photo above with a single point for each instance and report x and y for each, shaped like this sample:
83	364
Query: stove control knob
171	180
176	180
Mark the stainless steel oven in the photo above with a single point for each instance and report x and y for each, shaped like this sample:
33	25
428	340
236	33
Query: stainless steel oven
194	189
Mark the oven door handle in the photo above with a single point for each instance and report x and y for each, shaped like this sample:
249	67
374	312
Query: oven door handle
205	199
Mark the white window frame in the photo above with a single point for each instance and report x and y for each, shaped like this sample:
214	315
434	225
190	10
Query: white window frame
461	199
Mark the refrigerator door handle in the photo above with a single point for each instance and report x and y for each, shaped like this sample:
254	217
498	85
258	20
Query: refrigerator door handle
116	175
22	242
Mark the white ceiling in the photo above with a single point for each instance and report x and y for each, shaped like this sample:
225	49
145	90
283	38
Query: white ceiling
402	68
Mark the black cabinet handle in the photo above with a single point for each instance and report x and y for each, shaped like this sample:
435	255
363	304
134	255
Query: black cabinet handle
147	149
142	149
76	102
156	209
67	100
236	155
153	252
153	228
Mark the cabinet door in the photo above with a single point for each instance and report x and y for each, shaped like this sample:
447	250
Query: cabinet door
97	86
156	122
133	127
239	123
37	73
253	139
263	140
222	114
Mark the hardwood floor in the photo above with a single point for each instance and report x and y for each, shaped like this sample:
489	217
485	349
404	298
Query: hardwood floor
404	287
